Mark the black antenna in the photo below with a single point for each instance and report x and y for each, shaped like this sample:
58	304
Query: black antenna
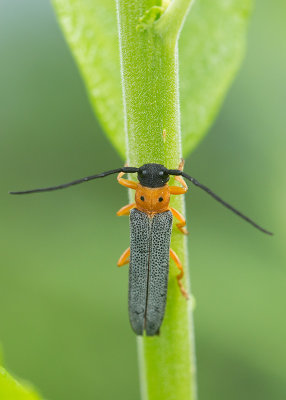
217	198
129	170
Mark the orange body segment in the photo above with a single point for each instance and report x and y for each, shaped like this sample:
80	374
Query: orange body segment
152	200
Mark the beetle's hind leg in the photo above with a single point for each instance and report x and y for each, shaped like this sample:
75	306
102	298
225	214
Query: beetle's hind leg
178	263
182	221
124	259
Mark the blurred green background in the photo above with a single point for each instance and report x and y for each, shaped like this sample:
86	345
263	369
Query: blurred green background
63	303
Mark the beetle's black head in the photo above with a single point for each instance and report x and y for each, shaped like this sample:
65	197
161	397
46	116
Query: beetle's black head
153	175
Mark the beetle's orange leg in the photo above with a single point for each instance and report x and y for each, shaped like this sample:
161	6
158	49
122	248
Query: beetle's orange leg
126	209
178	263
178	189
182	182
181	165
124	259
182	222
126	182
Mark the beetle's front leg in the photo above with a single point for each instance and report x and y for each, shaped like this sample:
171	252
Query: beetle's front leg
126	182
178	189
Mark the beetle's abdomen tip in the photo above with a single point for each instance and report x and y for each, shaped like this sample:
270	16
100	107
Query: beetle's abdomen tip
152	330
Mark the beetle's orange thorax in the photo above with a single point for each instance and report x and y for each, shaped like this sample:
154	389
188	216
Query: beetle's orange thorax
152	200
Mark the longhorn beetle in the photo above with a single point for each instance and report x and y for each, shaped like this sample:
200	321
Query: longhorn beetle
151	220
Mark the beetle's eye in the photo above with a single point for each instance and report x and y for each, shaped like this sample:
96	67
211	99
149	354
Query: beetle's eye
142	198
144	172
163	173
160	199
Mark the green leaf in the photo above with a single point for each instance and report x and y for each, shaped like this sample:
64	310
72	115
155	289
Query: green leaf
11	389
90	27
211	48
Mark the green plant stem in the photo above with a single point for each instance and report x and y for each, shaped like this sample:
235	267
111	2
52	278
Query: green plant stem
173	18
149	63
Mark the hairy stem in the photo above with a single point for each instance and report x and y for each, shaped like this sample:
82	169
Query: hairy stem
149	64
171	22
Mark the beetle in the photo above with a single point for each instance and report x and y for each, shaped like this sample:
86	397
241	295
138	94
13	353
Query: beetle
151	219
